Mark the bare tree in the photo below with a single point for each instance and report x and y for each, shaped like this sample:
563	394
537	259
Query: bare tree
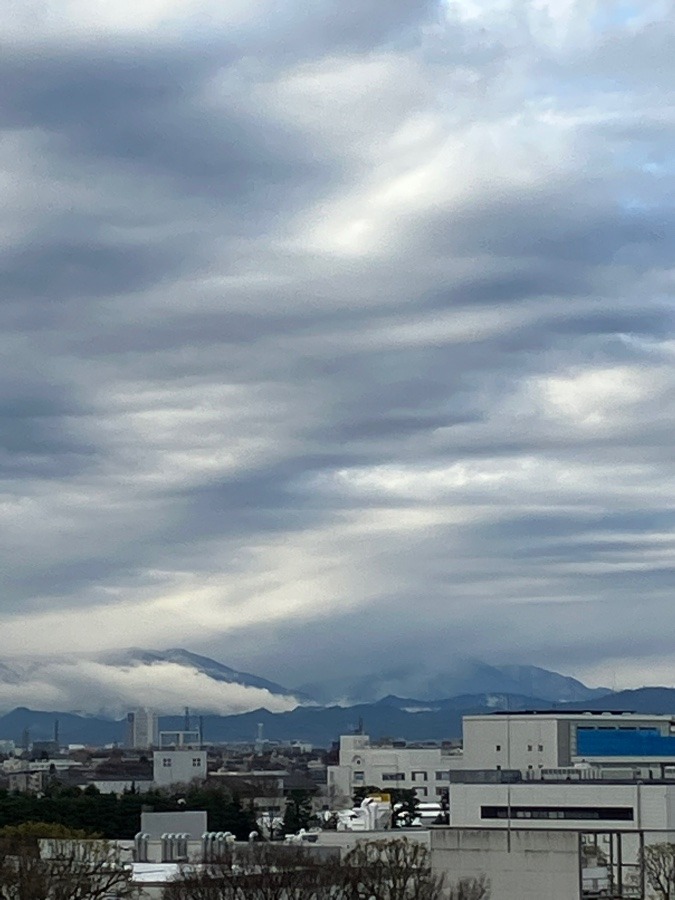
61	868
658	866
386	870
259	872
471	889
392	870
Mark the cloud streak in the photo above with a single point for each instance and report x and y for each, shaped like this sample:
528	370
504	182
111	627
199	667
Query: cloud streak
324	328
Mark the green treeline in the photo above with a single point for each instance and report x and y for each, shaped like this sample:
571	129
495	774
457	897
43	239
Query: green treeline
120	817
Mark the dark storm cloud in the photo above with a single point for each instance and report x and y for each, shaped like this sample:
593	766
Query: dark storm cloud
34	438
66	270
145	108
334	324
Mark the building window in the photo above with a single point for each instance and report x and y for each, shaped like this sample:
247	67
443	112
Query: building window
442	776
359	776
196	762
166	762
529	748
498	747
541	748
421	791
393	776
420	776
580	813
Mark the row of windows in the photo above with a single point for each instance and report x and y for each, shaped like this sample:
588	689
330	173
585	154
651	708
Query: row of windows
360	775
647	728
167	762
602	813
530	747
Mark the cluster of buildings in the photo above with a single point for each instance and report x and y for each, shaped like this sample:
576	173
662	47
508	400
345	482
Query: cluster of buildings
152	758
544	804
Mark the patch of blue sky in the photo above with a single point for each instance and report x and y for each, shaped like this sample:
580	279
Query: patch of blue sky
609	16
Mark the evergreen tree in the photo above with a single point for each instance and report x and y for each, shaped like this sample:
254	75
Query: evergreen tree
298	812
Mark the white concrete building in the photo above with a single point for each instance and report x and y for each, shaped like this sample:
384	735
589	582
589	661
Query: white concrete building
142	729
580	806
120	786
532	741
60	764
422	769
529	742
178	766
179	739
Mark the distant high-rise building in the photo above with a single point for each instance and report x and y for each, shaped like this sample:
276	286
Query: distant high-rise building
142	729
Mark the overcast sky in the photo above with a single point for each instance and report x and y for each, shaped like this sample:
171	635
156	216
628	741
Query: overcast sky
339	334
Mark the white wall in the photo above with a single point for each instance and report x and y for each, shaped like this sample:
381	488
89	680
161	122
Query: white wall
423	770
191	822
523	865
545	740
122	785
651	804
178	766
347	840
510	742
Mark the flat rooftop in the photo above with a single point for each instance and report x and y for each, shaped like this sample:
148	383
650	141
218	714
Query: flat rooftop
564	712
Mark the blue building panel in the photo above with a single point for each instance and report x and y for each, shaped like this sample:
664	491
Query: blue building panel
643	743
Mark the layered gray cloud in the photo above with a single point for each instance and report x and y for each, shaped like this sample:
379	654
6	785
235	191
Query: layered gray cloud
338	335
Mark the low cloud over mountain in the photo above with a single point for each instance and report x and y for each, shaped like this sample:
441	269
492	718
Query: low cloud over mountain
116	683
113	682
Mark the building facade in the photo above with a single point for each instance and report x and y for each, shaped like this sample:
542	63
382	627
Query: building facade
533	741
142	729
422	769
178	766
577	806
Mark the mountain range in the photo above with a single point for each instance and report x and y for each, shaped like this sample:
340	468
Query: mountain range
110	683
96	690
465	676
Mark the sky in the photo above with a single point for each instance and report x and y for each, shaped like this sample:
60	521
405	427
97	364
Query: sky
339	336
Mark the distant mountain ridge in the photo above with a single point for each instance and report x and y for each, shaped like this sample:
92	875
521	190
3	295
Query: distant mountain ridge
245	700
393	717
108	684
538	682
467	676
